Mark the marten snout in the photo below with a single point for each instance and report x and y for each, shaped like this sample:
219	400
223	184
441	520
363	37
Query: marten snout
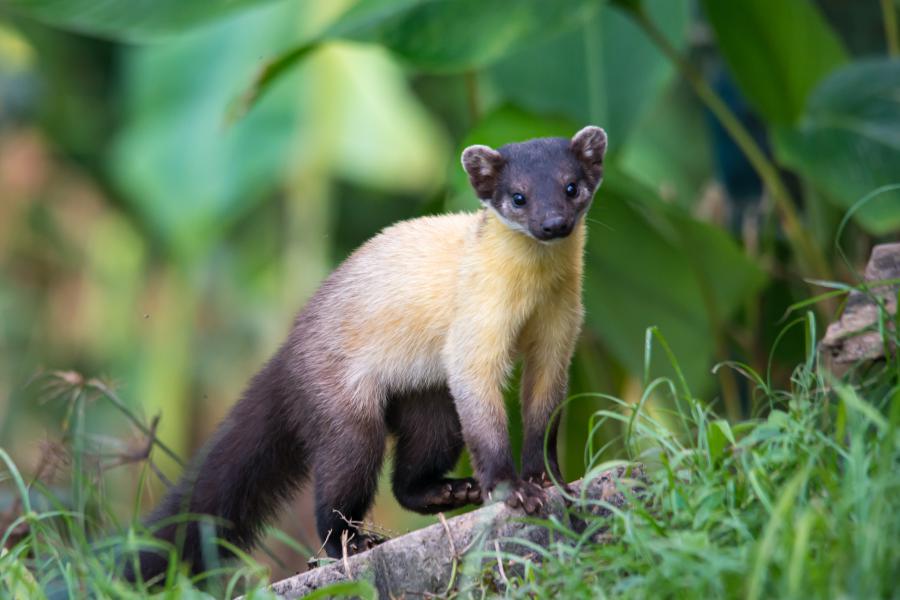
555	226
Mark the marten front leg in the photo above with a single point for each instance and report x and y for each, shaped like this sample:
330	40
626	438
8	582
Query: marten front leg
548	342
542	392
484	426
478	363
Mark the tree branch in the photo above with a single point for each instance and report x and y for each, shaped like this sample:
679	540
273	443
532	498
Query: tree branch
425	562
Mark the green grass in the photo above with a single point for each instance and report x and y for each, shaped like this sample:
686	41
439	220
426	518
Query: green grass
803	501
57	542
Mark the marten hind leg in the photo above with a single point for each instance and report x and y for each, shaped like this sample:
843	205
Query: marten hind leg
347	464
428	444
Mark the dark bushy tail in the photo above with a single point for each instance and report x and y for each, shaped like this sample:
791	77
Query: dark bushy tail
253	463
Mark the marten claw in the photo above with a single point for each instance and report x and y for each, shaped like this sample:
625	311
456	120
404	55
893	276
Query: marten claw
463	491
542	480
473	492
528	496
545	482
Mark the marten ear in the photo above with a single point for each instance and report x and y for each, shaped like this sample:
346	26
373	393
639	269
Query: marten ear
589	146
483	165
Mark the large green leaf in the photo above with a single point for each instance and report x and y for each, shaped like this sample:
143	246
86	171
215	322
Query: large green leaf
133	20
612	71
650	263
454	35
847	143
380	134
668	151
777	51
189	175
186	173
438	36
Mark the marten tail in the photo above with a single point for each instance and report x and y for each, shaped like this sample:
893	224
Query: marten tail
253	463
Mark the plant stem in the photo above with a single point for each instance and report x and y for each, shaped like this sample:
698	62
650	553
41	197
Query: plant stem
809	254
78	448
890	27
148	431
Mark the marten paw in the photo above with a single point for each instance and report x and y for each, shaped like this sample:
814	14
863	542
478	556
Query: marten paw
360	542
544	480
541	479
528	496
454	493
445	494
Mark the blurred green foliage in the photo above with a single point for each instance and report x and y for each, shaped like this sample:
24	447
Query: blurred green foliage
174	188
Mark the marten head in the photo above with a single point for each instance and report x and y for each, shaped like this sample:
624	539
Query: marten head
541	187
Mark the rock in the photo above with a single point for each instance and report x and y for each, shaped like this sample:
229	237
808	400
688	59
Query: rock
855	336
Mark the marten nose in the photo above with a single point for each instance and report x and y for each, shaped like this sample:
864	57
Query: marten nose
555	226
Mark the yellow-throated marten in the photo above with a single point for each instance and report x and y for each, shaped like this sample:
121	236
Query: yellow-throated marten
414	335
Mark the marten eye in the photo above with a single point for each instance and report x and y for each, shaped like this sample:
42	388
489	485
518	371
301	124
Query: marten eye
571	190
519	200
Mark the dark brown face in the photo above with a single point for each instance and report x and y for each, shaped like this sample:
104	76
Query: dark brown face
541	187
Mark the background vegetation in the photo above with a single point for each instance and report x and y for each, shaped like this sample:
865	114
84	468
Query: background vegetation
177	177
